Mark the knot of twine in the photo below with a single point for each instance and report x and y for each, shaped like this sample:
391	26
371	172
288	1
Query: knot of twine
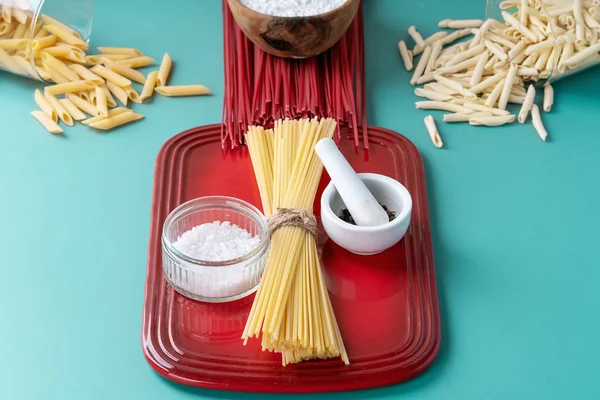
293	217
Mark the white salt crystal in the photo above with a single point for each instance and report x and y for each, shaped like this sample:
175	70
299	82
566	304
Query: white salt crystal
216	241
292	8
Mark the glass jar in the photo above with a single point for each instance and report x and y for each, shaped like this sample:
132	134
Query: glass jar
562	31
214	281
24	38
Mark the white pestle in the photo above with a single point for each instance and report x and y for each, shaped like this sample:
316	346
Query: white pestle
364	208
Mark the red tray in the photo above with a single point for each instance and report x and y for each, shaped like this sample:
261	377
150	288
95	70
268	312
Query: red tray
386	305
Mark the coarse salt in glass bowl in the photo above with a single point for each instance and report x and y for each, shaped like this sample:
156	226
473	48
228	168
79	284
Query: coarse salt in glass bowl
214	281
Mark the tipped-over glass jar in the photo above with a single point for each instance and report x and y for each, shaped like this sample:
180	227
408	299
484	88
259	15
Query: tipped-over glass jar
560	36
35	33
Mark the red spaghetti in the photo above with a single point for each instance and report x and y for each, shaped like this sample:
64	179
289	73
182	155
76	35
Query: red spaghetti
261	88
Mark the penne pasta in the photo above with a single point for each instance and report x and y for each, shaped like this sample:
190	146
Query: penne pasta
484	108
112	76
116	121
45	106
118	92
66	35
582	56
42	43
133	95
435	53
538	125
495	49
47	122
440	105
186	90
500	40
479	69
527	103
75	112
433	132
164	70
111	113
432	95
101	103
527	71
488	82
508	83
86	74
548	97
438	87
51	21
13	44
459	34
419	69
465	55
480	33
540	64
515	23
455	85
407	58
495	94
460	24
137	62
63	115
464	117
129	73
430	41
471	62
59	67
492	121
149	86
120	50
83	105
416	36
70	87
578	19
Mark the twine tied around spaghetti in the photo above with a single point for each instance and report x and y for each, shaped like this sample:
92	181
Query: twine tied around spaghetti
293	217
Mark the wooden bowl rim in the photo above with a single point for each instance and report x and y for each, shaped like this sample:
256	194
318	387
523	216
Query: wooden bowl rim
328	13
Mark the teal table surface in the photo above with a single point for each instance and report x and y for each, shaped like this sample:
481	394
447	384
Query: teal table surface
514	221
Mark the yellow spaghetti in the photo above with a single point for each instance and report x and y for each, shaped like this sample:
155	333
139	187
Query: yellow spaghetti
292	309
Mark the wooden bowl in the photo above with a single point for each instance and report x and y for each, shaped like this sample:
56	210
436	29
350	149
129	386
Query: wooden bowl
294	37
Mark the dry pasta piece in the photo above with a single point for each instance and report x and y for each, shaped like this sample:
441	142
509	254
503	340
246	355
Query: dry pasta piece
460	24
86	74
440	105
137	62
112	76
110	100
456	86
101	102
111	113
465	55
459	34
438	87
432	95
70	87
536	120
464	116
63	115
75	112
492	121
420	68
582	56
45	106
430	41
149	86
59	67
83	105
164	70
485	109
495	49
120	50
129	73
479	69
132	94
118	92
66	35
47	122
412	31
426	78
186	90
51	21
116	121
510	20
43	42
435	53
407	58
508	83
433	132
495	94
548	97
13	44
471	62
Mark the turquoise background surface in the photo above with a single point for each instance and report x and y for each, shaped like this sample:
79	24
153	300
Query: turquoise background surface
515	225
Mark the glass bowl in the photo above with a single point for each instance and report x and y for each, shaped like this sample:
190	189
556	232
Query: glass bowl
214	281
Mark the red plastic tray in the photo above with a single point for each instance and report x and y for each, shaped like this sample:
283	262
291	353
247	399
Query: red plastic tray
386	305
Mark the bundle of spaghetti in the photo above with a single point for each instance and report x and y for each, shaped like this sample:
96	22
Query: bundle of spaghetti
261	88
292	309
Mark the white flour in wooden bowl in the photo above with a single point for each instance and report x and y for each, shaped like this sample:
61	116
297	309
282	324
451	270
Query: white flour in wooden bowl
292	8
